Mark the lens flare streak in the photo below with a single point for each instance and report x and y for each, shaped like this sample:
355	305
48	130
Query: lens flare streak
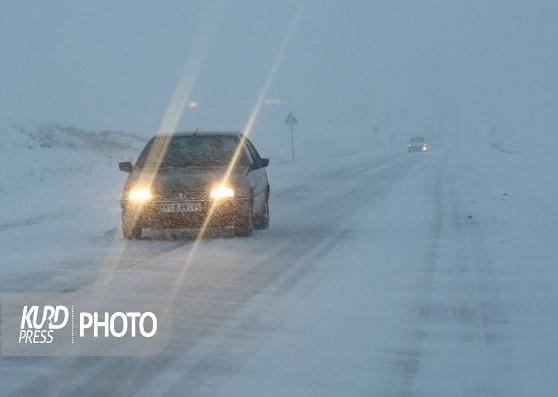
247	130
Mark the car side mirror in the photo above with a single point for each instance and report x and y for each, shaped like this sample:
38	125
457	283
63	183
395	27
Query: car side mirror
126	166
260	163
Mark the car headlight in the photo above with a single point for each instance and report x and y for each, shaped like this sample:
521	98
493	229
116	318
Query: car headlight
220	192
140	194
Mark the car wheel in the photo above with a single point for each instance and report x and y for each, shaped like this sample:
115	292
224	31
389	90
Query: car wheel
262	221
130	229
244	226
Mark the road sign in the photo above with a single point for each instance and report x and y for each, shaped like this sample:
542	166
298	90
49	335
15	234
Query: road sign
291	119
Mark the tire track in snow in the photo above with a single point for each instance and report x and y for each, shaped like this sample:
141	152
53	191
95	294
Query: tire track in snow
407	358
459	344
37	219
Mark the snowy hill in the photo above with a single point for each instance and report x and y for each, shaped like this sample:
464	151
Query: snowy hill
52	168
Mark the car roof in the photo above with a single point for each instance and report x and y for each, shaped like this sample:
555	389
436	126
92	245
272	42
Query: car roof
200	133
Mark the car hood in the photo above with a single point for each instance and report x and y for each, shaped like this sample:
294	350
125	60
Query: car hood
180	179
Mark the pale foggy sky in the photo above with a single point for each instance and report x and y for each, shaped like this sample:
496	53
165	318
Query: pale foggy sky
115	65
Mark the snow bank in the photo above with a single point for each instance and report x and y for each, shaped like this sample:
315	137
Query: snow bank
51	168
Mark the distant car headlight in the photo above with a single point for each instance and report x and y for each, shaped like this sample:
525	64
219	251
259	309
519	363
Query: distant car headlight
424	148
139	194
221	192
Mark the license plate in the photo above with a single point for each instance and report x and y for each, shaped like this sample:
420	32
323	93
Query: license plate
181	207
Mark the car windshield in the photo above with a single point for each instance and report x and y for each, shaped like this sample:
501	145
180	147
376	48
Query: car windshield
192	150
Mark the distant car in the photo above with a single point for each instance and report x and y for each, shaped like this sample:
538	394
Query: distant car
417	144
194	180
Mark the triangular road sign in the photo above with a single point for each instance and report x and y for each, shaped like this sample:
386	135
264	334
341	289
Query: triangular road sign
291	119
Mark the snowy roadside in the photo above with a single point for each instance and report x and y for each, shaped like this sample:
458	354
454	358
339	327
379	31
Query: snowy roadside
59	196
513	200
52	171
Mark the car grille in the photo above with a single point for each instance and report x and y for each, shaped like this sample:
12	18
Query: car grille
196	195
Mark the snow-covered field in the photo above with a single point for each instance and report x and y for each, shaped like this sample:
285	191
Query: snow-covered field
383	273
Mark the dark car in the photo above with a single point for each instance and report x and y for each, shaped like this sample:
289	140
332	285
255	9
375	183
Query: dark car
417	144
196	180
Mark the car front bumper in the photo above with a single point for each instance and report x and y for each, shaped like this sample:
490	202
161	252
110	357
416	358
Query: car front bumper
211	213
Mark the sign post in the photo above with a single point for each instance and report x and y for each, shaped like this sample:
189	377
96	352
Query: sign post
291	120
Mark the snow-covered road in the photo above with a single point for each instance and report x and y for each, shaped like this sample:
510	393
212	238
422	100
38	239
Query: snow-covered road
382	274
